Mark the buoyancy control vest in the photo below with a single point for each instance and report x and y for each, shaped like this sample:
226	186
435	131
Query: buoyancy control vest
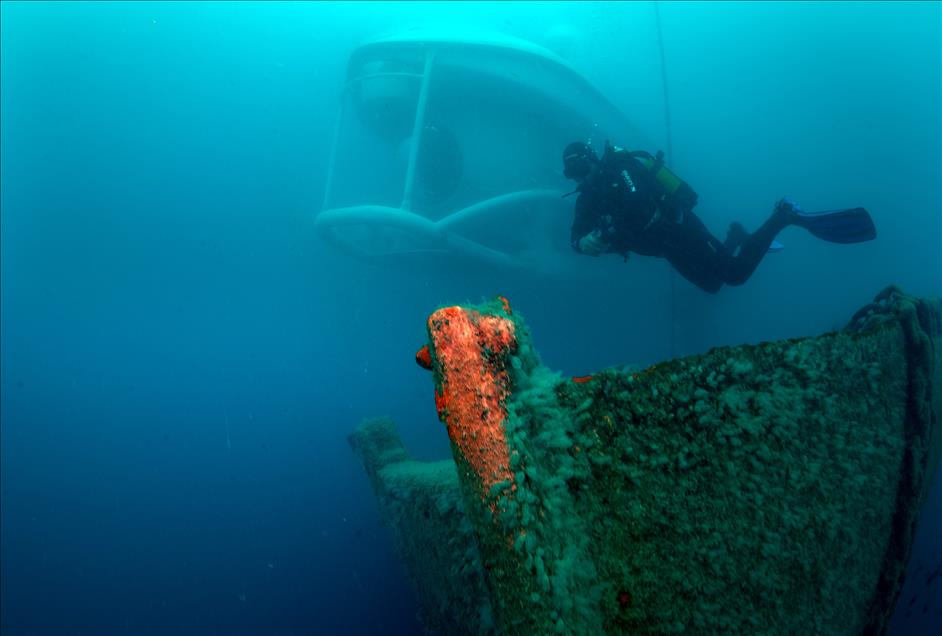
674	192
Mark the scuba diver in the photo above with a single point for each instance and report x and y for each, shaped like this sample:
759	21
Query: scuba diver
630	202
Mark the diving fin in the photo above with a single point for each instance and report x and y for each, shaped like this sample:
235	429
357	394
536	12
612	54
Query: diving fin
852	225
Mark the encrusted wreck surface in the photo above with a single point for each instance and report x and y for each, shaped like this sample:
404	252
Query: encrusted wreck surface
771	489
421	502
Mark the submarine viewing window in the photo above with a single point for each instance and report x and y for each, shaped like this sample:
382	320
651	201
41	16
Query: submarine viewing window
443	142
438	165
385	94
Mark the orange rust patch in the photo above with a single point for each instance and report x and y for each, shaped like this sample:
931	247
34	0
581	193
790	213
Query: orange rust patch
506	304
423	358
472	351
583	378
440	405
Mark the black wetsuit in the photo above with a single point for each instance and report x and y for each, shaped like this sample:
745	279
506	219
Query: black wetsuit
622	200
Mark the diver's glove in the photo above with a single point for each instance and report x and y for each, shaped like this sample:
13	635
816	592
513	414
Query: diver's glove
592	243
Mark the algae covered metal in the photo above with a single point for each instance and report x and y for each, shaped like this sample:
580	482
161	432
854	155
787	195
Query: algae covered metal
771	488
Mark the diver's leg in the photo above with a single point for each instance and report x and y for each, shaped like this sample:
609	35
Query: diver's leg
735	237
754	247
696	254
697	270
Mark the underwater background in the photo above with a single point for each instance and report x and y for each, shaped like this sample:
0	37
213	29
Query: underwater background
182	357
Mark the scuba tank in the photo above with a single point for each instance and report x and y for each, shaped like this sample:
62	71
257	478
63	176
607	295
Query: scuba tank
674	191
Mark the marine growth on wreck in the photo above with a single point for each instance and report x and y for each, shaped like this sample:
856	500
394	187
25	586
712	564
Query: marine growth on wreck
771	488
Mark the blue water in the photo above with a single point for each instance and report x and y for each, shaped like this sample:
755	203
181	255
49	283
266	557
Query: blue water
182	357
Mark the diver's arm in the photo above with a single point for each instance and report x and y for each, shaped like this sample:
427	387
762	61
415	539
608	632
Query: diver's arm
583	223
